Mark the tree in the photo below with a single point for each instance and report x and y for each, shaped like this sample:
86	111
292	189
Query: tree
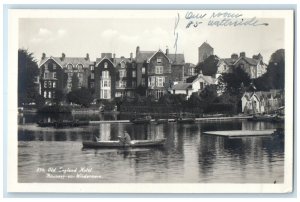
80	96
27	73
172	99
274	77
236	82
209	94
141	90
209	66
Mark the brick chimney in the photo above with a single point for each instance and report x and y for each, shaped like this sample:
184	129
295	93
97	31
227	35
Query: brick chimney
131	55
87	57
43	56
63	56
167	51
242	54
234	56
137	50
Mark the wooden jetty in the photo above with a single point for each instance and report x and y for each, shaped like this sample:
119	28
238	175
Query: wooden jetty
174	120
241	133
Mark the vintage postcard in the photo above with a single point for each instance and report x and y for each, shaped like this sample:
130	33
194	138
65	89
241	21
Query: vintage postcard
150	101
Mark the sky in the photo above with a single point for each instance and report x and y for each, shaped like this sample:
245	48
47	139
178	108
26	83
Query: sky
121	35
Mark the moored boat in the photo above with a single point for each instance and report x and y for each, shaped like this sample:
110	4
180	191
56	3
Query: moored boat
186	120
160	121
267	118
62	124
119	144
141	120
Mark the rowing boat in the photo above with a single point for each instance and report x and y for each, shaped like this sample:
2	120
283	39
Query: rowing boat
119	144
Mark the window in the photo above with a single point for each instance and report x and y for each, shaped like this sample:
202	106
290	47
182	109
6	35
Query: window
49	94
158	69
46	75
92	67
151	81
92	75
92	84
105	65
54	75
201	85
122	84
54	66
122	73
143	70
45	94
160	81
105	94
133	84
105	74
122	64
133	74
45	84
159	60
143	82
53	94
70	66
105	83
118	94
54	84
80	66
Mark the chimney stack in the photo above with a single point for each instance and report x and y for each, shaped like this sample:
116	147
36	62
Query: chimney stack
43	56
234	56
131	55
87	57
63	56
137	51
242	54
167	51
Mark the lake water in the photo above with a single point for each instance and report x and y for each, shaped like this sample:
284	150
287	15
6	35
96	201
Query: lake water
56	155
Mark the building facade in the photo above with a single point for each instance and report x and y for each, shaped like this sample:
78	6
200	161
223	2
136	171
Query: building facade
192	85
262	101
52	78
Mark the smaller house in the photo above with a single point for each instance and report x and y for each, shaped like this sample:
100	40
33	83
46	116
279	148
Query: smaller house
193	84
262	101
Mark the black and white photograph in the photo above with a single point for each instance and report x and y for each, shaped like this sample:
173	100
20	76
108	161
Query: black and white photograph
181	101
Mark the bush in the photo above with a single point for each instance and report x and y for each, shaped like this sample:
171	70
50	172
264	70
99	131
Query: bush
81	96
55	109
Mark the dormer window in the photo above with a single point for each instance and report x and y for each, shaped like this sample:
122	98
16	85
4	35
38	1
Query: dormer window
159	60
70	66
122	64
105	65
80	66
92	68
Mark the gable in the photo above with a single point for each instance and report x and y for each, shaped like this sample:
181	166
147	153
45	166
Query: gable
157	53
49	59
105	59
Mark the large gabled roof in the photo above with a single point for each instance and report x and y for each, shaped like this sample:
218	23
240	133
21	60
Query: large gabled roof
68	60
182	86
176	58
143	56
208	79
206	45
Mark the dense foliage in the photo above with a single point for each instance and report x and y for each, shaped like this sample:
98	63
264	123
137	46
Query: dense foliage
81	97
27	73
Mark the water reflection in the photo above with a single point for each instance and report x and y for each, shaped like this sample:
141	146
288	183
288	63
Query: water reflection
188	156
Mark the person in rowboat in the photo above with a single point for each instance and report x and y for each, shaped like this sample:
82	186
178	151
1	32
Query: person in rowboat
125	139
